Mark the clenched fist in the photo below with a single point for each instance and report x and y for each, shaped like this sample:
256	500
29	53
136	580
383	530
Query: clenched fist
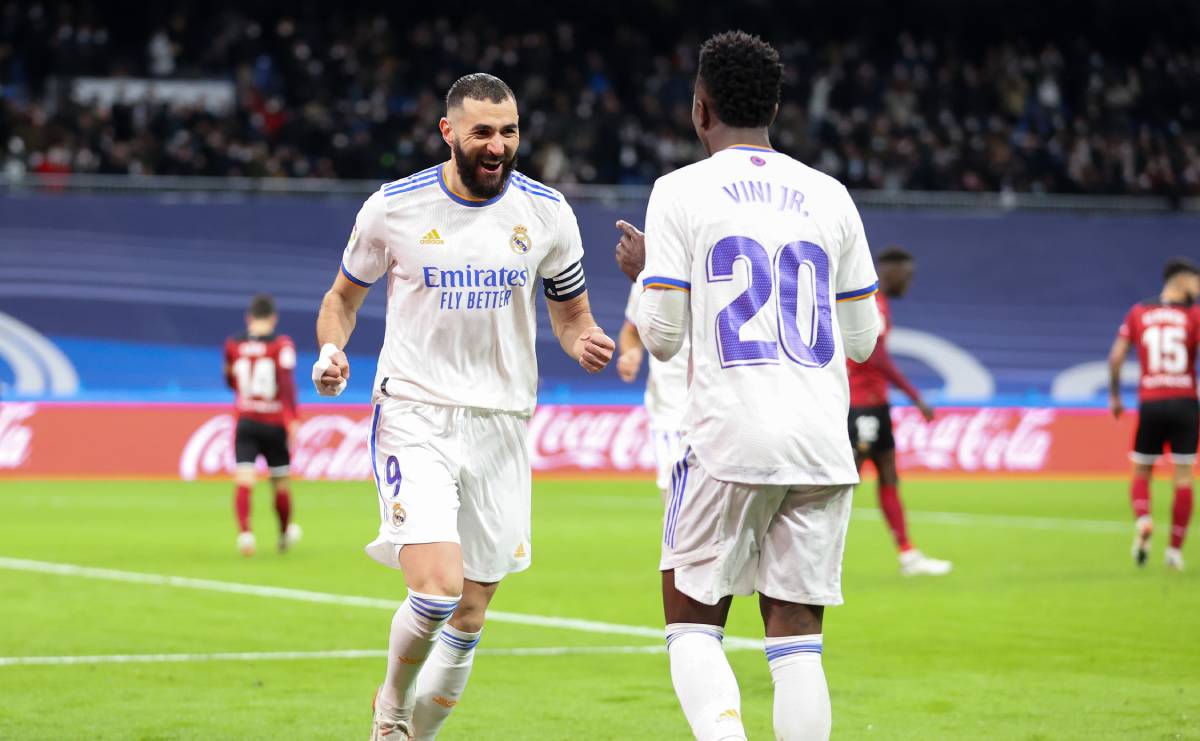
594	349
331	371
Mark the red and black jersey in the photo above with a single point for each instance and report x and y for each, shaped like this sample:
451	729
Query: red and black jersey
869	380
259	370
1166	337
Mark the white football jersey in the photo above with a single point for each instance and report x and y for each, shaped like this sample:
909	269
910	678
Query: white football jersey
462	286
667	382
766	246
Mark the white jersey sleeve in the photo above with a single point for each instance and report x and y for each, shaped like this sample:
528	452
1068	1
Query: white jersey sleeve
668	256
856	278
366	257
567	248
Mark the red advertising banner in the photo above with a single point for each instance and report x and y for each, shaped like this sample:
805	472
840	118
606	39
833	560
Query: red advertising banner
189	441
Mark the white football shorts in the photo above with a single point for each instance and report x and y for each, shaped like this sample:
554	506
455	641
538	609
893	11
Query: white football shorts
785	542
452	474
668	449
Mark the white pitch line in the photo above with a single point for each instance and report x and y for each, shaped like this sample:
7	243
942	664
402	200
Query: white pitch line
314	655
1013	521
303	595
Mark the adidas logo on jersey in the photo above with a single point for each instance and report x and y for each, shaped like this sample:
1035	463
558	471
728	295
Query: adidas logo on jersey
432	237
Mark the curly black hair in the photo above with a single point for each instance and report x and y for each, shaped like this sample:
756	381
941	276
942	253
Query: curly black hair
894	254
478	86
743	75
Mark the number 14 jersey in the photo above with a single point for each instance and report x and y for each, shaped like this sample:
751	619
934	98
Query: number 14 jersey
766	246
1166	337
259	370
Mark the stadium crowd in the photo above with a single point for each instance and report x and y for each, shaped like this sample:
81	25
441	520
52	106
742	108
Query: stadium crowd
353	92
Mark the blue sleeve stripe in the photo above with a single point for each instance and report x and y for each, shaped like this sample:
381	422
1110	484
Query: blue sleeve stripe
656	281
531	183
860	293
522	187
412	178
410	185
352	279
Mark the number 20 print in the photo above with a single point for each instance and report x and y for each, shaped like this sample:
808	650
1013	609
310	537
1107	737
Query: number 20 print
814	351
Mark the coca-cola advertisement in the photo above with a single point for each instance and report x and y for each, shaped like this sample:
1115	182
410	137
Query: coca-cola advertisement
195	441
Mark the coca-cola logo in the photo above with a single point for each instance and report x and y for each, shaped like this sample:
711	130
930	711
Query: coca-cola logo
590	438
16	440
974	439
337	447
329	446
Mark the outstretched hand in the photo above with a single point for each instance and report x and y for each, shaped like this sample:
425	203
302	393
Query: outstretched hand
631	249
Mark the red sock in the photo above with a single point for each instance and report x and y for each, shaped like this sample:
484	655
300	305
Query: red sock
893	512
241	505
1139	493
1181	513
283	507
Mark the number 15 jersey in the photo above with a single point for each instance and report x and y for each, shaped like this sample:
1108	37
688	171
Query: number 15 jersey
1166	336
766	246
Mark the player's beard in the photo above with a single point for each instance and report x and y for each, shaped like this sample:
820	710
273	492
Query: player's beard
478	182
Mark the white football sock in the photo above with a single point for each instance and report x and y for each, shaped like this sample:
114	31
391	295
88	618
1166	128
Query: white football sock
442	681
801	695
704	681
415	627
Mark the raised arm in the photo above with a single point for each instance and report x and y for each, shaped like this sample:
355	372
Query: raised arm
577	332
335	324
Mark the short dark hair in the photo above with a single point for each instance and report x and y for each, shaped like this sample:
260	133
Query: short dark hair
893	255
478	86
1178	265
262	306
743	76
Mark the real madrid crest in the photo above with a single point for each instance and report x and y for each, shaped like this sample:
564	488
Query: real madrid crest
520	241
398	515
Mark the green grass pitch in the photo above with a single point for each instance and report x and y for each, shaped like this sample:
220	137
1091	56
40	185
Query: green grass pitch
1045	630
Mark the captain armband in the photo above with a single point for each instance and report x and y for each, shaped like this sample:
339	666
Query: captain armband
566	285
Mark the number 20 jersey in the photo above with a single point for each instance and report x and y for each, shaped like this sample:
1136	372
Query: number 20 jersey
1166	337
766	246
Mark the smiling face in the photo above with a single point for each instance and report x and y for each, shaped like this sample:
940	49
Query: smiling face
483	138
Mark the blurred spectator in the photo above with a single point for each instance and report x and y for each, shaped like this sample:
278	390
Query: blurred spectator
1063	103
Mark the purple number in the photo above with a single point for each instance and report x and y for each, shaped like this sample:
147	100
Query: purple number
730	320
794	262
805	263
393	474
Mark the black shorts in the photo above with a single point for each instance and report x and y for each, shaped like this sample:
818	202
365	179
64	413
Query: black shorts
871	430
255	438
1173	421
